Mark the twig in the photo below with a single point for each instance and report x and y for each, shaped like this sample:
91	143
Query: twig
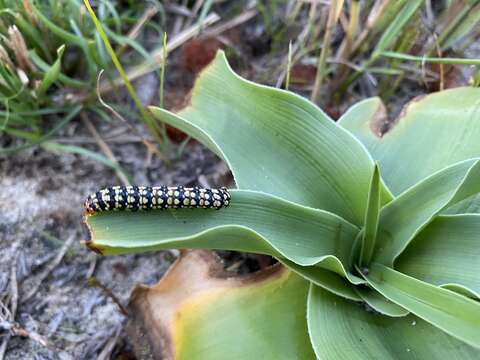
374	16
14	288
94	282
147	15
289	65
441	66
13	302
230	24
50	267
20	331
133	33
103	147
106	353
178	24
196	7
178	10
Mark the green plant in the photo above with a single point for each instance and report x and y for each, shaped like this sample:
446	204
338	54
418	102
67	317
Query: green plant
380	226
50	58
377	46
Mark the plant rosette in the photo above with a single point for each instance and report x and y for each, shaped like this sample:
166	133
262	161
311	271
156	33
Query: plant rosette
379	230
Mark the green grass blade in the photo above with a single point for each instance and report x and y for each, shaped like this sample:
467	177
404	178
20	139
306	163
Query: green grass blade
52	74
65	120
465	21
145	115
66	36
42	65
433	60
394	29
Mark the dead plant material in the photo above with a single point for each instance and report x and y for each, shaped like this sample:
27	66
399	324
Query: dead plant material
154	310
16	43
5	58
7	316
103	147
302	74
29	11
198	53
95	282
379	123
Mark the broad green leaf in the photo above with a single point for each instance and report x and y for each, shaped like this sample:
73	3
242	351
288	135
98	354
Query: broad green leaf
342	329
455	314
446	252
379	303
431	133
276	142
52	73
369	234
253	222
200	311
410	212
264	321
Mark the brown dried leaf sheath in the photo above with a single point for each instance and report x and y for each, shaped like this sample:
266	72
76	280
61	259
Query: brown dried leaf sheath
154	310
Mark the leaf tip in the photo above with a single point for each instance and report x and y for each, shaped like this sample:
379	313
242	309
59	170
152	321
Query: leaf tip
91	245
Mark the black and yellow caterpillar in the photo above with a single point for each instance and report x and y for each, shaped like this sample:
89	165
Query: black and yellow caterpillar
158	197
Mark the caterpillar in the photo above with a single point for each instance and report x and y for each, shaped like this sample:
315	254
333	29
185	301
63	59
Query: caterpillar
159	197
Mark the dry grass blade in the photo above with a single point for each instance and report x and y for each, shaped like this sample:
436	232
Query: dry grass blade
11	313
5	58
16	43
333	15
103	147
108	348
95	282
230	24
